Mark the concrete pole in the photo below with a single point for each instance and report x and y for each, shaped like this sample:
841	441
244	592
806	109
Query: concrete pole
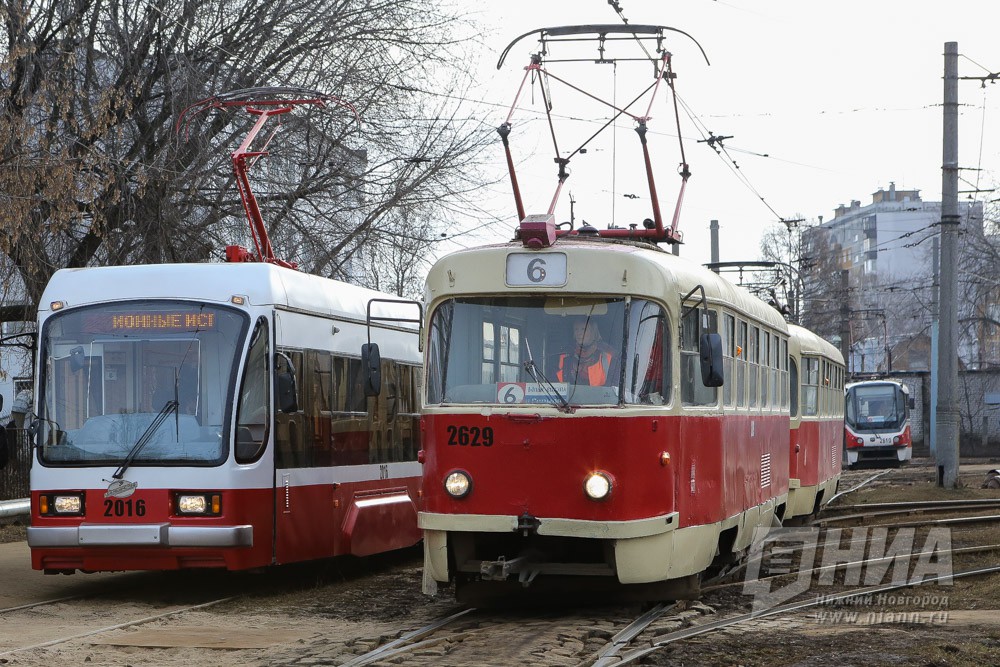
845	320
932	435
713	227
947	407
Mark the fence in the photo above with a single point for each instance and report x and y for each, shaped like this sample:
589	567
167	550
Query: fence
14	477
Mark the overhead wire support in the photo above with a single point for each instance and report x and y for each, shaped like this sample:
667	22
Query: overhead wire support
663	70
265	103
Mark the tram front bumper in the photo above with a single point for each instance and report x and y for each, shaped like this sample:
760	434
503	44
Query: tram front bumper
154	534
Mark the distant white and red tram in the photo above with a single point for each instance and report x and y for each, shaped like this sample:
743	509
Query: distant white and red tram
214	415
877	422
642	484
817	419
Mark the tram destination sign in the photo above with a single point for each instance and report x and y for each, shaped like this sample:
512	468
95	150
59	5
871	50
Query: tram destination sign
162	320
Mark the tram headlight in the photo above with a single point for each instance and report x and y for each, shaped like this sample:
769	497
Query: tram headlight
458	484
597	486
198	504
61	504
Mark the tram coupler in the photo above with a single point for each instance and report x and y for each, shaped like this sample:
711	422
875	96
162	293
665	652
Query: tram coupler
501	569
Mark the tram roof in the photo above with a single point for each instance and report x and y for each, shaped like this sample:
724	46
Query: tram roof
812	343
262	284
651	272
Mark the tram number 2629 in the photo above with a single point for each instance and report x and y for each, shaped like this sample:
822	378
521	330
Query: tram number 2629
470	436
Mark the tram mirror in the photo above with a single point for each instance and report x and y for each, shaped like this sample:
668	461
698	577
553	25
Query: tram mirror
371	369
912	402
711	360
568	305
76	358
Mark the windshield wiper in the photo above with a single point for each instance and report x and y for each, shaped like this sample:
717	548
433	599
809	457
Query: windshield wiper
532	369
146	436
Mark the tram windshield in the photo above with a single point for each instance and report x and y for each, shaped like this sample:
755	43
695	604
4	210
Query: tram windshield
562	351
877	406
111	370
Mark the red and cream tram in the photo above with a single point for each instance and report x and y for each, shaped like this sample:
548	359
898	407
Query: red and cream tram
214	415
639	483
817	421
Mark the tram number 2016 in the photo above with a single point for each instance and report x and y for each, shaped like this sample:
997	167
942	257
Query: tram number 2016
119	507
470	436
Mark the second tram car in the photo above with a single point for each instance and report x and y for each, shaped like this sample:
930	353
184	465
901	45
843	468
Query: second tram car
877	422
637	475
816	379
214	415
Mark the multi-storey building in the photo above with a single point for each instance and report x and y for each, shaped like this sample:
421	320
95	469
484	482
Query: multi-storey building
887	249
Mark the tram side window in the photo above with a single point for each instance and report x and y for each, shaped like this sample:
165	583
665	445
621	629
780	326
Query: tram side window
693	392
407	413
810	386
254	398
351	420
754	359
793	381
501	353
775	370
647	374
728	357
765	364
784	360
289	437
741	364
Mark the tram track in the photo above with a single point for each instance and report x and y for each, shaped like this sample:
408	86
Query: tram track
110	628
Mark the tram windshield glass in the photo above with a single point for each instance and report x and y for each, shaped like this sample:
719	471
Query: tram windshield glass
876	407
110	371
563	351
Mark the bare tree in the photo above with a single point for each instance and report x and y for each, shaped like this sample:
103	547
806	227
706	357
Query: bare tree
94	171
823	292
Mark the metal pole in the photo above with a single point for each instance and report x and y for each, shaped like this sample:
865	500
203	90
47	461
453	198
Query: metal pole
947	408
713	227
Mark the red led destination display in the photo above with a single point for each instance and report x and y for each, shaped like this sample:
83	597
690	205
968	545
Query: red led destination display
149	321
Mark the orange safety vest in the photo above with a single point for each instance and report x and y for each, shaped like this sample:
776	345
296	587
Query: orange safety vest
597	372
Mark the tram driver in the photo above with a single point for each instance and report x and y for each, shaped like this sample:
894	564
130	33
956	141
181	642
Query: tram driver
590	361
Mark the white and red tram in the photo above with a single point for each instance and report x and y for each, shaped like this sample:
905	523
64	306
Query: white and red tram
877	422
817	420
640	484
214	415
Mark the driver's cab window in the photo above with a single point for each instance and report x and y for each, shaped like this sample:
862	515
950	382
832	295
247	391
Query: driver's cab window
254	398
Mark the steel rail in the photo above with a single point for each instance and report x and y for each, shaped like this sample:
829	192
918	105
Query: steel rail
853	564
403	645
929	509
687	633
117	626
609	654
855	488
916	504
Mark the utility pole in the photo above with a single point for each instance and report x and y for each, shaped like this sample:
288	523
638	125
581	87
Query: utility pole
845	320
935	318
947	406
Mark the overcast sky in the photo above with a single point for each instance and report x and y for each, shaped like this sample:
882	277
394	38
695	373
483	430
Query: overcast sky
843	98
